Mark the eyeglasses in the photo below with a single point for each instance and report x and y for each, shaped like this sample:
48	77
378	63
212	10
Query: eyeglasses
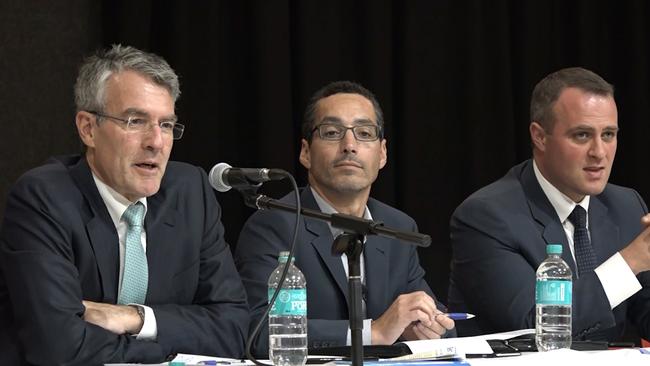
137	124
336	132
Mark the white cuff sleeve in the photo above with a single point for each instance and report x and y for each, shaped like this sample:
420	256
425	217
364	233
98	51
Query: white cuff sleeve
618	280
365	335
149	331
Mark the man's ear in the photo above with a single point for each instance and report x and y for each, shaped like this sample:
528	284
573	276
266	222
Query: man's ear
305	159
384	154
537	136
85	127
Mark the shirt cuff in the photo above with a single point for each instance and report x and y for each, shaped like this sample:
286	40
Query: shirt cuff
149	331
618	280
365	334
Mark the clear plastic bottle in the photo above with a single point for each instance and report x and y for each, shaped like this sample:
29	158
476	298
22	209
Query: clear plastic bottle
553	299
288	316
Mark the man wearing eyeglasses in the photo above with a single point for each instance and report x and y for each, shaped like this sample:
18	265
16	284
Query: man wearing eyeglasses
343	149
118	255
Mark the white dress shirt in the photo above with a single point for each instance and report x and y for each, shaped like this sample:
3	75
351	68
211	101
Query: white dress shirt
618	280
116	205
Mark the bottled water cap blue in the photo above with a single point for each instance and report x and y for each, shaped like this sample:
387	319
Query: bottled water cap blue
554	249
284	255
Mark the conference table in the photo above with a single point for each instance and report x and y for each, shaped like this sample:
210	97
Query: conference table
474	345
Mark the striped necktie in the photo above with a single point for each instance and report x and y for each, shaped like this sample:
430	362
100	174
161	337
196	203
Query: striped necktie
136	270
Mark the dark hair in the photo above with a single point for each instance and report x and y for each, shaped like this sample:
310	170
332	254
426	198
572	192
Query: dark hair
338	87
90	87
548	90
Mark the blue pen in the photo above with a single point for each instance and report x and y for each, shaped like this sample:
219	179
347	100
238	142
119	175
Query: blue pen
214	362
459	316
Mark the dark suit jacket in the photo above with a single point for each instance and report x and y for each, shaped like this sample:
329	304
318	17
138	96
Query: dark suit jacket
59	247
499	236
391	268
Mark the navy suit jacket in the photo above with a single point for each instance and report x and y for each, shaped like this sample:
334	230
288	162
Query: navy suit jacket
58	246
391	268
499	237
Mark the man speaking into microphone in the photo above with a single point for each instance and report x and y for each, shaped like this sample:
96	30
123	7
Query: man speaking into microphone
343	149
117	255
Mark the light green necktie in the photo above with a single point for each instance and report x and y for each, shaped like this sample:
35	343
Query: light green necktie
136	270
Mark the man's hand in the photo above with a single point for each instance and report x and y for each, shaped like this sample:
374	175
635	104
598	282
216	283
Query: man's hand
119	319
637	253
417	330
412	315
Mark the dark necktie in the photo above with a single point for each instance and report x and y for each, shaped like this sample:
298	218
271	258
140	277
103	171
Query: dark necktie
585	257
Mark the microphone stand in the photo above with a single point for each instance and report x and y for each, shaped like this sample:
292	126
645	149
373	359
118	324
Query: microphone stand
351	243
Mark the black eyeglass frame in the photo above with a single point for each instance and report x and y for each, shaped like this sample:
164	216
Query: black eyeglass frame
379	131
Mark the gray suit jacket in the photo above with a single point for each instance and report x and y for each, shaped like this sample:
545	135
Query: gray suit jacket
391	268
58	246
499	235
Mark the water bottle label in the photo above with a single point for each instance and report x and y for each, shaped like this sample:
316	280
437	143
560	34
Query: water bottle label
289	302
553	292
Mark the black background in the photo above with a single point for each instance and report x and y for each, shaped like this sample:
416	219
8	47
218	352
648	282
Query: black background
454	79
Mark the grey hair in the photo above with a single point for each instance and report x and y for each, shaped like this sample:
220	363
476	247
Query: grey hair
90	87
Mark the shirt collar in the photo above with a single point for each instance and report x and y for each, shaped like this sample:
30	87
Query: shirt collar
115	202
562	204
328	209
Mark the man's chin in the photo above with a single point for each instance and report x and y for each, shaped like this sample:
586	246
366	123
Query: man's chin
350	186
594	189
148	190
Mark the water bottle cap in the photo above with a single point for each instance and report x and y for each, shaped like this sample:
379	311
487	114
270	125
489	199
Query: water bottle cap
283	256
554	249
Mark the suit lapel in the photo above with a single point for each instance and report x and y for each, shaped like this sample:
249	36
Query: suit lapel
101	231
322	242
603	232
376	273
162	237
543	212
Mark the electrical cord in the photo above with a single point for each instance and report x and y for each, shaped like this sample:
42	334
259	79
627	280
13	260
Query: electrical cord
260	323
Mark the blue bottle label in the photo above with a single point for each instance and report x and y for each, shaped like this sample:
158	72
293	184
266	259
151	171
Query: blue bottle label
289	302
553	292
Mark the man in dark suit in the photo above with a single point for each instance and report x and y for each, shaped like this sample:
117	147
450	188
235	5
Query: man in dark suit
118	255
499	234
343	150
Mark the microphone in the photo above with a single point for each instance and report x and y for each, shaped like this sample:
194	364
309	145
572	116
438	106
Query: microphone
223	177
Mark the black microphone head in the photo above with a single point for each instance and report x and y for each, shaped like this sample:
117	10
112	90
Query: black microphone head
216	177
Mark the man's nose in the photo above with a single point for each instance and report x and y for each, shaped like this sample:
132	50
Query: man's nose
349	142
597	148
154	137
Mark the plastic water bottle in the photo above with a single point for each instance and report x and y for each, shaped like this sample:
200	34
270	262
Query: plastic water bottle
288	316
553	292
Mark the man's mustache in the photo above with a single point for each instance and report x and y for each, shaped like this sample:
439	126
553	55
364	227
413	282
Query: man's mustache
348	158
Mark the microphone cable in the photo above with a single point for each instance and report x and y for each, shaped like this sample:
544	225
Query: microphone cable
258	327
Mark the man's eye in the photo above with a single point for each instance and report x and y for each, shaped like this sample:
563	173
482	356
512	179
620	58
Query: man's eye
364	133
137	122
581	136
167	126
331	133
609	136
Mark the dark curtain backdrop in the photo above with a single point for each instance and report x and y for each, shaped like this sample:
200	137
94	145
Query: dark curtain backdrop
454	79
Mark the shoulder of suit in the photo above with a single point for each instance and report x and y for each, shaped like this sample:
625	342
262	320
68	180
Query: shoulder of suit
53	175
506	193
618	195
179	167
177	171
388	214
